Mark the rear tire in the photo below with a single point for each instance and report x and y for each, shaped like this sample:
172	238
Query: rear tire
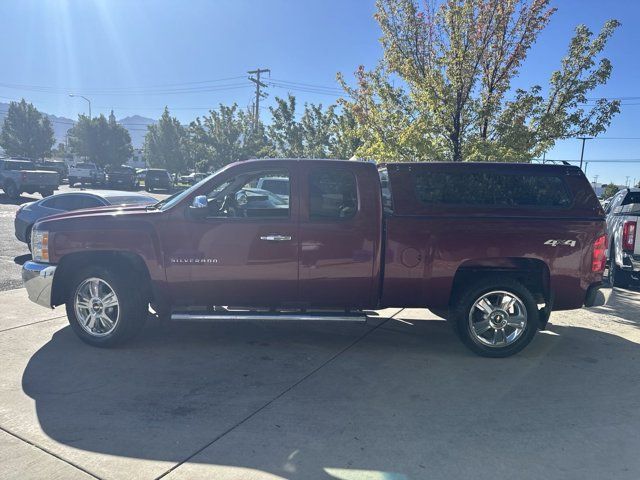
46	193
495	317
617	276
108	314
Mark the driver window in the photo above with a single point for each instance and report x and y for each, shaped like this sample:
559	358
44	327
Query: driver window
263	194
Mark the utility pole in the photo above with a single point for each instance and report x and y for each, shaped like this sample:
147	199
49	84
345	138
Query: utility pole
626	183
582	152
595	179
256	80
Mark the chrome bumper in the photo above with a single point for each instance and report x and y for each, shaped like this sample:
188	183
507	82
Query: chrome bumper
38	280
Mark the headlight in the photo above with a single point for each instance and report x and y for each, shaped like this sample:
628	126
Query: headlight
40	246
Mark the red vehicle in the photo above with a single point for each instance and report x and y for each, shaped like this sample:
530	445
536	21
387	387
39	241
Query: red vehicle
494	248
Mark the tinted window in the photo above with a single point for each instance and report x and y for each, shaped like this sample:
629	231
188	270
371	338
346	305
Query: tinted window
490	189
131	200
277	186
332	194
72	202
387	199
632	197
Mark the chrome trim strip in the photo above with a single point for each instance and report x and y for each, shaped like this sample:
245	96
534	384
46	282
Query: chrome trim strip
38	280
201	316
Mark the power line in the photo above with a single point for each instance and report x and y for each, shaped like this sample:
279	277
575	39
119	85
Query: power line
46	88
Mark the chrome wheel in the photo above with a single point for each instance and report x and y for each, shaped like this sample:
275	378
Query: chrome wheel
96	307
497	319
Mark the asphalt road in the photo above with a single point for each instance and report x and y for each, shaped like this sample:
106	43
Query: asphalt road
12	252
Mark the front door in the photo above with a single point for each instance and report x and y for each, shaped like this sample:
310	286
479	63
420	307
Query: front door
245	251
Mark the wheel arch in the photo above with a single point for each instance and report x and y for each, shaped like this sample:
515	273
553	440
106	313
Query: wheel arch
533	273
120	261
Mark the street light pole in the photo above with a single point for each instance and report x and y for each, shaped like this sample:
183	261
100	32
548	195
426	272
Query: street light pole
88	101
582	152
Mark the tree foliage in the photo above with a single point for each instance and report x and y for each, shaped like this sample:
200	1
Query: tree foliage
165	144
102	141
610	190
26	132
455	64
226	135
320	132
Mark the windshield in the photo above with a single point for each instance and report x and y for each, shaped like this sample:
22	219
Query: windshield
167	203
20	166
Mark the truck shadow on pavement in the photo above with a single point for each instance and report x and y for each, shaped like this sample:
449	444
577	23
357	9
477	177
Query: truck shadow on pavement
407	399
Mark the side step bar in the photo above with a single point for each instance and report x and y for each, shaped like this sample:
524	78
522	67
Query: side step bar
270	316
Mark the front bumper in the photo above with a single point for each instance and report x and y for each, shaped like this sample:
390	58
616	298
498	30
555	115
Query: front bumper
597	295
38	280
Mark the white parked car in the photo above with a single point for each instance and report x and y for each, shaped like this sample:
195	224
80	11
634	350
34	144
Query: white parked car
86	173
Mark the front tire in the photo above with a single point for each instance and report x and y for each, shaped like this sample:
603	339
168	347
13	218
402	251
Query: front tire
105	308
495	317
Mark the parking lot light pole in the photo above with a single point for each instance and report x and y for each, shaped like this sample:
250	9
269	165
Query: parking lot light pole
88	101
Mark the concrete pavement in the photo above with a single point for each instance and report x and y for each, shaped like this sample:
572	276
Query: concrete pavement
396	398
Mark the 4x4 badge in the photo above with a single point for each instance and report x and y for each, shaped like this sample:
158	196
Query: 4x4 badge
555	243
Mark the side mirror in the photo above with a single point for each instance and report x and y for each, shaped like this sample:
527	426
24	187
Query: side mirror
199	206
200	202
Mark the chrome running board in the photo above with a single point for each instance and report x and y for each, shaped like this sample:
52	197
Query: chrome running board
269	316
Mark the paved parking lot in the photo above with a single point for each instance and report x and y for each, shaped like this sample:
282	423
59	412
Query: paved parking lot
397	398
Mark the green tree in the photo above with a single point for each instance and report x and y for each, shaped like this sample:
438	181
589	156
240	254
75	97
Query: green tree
102	141
345	139
226	135
456	63
320	132
165	144
26	132
609	190
285	132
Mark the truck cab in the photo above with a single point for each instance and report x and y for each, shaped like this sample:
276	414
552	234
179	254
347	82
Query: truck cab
494	248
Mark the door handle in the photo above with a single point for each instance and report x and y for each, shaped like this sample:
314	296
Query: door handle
276	238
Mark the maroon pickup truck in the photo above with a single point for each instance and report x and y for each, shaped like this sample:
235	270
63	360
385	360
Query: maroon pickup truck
491	247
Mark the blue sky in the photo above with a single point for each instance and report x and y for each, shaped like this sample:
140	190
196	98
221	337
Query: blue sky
129	54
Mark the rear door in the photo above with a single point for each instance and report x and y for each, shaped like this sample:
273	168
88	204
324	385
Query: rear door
339	234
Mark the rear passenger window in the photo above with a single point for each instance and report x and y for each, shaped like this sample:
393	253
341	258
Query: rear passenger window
333	194
491	189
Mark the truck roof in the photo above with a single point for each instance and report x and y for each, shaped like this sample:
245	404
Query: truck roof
502	166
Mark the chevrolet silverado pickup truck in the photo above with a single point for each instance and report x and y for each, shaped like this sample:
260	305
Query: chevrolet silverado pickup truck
492	247
624	252
22	176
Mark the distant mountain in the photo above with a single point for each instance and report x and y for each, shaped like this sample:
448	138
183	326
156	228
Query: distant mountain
135	124
137	127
